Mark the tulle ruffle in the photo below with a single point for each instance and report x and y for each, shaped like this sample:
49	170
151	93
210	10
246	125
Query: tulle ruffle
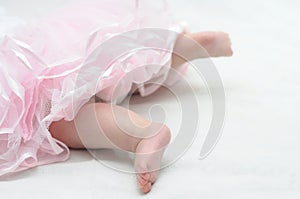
47	74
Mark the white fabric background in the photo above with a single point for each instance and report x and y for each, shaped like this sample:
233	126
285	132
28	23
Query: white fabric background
258	154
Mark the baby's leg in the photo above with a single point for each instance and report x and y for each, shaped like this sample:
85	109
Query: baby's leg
215	44
100	125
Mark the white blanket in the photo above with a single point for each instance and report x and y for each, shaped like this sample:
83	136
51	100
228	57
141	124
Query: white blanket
258	153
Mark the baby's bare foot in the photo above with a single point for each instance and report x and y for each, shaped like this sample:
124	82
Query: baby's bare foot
217	44
148	158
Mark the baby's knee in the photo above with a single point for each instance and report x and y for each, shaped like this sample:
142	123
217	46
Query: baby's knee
164	133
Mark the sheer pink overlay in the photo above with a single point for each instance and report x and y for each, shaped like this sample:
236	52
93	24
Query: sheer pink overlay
40	63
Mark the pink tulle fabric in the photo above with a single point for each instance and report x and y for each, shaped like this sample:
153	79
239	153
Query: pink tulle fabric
40	63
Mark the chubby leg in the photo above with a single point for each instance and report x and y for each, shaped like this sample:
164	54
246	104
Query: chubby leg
100	125
214	44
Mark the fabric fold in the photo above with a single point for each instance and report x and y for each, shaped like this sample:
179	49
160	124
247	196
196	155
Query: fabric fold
48	72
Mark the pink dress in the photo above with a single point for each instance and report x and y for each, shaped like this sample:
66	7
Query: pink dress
40	67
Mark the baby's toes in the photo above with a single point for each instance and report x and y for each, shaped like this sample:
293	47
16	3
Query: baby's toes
153	177
147	188
223	44
145	181
141	181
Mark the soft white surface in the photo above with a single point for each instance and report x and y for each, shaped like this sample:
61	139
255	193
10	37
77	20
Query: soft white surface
258	154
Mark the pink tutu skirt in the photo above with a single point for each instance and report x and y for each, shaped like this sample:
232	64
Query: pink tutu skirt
40	64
